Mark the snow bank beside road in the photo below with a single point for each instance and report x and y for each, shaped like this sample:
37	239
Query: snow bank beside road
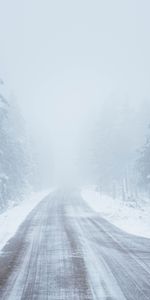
11	219
126	216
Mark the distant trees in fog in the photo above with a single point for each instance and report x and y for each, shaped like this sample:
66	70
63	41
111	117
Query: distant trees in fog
110	156
143	164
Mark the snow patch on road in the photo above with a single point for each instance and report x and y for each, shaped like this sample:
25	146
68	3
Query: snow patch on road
125	215
11	219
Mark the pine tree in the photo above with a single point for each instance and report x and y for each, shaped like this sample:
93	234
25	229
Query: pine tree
144	164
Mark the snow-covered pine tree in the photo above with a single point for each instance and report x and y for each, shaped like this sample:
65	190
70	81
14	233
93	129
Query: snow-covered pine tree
143	164
14	163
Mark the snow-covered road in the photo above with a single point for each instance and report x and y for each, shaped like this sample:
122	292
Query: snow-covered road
65	251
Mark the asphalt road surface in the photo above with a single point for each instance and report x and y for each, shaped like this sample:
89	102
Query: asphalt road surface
65	251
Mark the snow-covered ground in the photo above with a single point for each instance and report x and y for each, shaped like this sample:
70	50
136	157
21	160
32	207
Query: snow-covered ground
127	216
11	219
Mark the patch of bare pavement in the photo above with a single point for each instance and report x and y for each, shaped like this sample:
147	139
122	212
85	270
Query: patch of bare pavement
64	251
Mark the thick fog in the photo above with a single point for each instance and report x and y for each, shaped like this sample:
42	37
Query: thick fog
79	69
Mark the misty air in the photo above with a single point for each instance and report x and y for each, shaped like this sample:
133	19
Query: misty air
75	150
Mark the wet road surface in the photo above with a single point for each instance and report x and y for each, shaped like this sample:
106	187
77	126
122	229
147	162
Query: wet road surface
65	251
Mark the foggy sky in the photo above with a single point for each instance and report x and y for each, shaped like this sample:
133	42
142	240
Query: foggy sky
63	59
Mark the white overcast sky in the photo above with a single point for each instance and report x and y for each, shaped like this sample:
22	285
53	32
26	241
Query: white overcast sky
63	58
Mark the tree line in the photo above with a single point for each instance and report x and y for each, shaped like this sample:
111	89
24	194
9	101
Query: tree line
14	157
